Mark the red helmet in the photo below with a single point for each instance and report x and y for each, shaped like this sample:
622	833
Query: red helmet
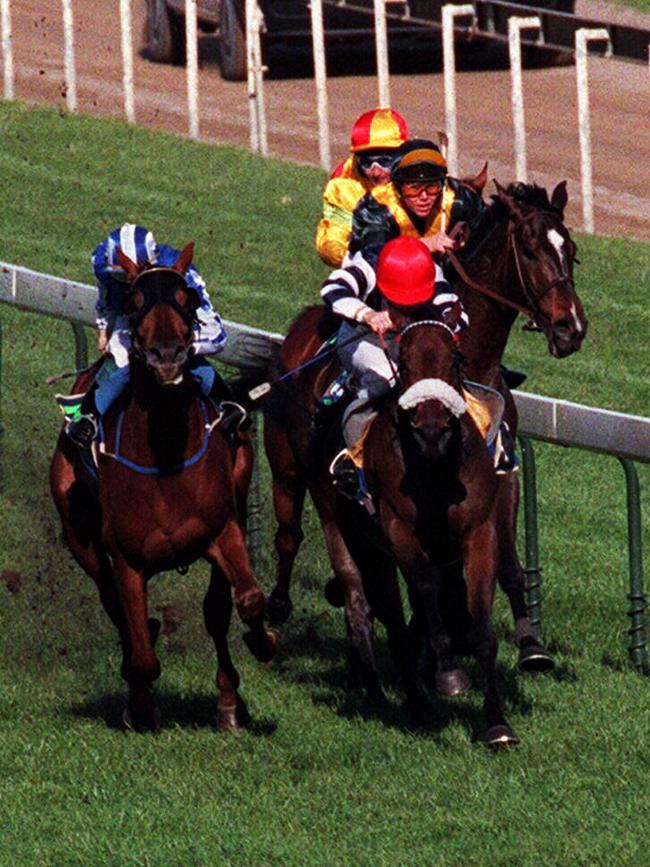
406	273
378	129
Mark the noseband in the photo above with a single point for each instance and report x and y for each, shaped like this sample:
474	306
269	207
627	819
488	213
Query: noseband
429	388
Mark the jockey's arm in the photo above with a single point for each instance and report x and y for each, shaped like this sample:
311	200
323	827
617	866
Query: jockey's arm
209	334
346	291
372	226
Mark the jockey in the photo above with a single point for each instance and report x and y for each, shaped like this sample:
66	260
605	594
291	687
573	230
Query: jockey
114	336
376	136
407	277
420	201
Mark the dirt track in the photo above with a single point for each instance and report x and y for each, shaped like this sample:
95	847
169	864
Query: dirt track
618	95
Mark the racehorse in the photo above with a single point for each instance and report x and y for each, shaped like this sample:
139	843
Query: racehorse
434	486
520	260
169	488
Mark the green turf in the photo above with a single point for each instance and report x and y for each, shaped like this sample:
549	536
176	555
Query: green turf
321	778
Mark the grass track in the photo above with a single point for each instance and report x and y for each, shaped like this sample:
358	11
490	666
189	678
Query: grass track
320	779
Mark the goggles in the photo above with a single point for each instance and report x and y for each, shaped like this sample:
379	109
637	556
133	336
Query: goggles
411	189
367	159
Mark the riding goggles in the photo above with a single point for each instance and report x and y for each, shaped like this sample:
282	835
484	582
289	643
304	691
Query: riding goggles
367	159
411	189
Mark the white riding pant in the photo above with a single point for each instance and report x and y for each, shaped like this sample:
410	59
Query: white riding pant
372	376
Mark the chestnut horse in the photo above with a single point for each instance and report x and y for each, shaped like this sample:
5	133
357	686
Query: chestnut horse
519	260
168	490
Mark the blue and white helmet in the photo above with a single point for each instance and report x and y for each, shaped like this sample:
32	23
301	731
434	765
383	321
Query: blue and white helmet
136	242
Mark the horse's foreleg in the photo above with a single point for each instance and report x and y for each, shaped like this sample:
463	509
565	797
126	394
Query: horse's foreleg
229	554
480	555
140	666
358	614
288	499
217	609
242	473
533	656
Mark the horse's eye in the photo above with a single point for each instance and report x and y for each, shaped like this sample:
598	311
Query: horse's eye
528	253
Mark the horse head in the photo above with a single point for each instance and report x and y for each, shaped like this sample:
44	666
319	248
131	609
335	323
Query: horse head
430	383
542	255
162	309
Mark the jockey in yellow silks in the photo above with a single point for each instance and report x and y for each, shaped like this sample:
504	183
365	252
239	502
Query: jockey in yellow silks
376	136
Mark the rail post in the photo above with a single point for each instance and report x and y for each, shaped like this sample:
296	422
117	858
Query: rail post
584	36
449	13
320	78
70	70
637	630
127	59
255	78
515	25
192	68
381	48
532	570
7	49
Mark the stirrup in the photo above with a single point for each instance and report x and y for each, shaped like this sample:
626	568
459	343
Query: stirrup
505	454
83	431
233	417
350	482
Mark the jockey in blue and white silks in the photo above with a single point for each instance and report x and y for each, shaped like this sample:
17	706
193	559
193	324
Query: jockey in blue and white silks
114	338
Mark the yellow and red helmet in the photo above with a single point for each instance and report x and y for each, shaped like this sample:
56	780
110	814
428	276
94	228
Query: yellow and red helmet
406	273
379	129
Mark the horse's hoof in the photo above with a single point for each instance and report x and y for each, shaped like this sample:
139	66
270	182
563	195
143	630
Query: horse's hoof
451	683
334	593
234	718
500	736
278	609
142	722
263	648
533	656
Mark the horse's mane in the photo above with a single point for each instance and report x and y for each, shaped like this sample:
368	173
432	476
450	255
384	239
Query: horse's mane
525	194
496	212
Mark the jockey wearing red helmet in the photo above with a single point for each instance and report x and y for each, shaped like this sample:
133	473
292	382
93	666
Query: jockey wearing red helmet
376	136
407	278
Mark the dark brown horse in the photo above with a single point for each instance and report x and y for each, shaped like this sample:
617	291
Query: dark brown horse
168	490
434	486
520	260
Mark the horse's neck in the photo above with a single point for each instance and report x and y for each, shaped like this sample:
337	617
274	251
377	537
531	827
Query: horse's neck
484	342
164	416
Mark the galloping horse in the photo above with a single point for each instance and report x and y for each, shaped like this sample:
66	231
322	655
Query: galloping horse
169	488
521	260
434	484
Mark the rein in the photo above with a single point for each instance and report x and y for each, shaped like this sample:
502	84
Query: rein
530	312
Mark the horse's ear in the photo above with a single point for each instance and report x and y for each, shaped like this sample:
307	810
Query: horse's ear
478	182
184	259
560	197
130	268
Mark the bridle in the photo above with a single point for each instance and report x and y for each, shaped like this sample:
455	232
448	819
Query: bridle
533	298
154	296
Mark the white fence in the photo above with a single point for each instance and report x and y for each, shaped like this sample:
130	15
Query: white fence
257	119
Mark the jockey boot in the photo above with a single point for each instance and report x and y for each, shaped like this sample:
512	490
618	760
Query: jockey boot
83	426
233	415
513	378
345	475
505	454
